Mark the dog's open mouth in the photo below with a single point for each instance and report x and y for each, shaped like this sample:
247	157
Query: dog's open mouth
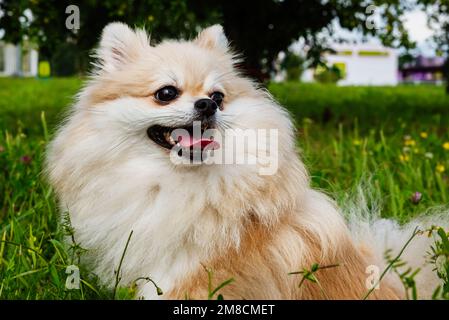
185	137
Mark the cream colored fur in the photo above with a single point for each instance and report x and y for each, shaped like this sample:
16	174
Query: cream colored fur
112	179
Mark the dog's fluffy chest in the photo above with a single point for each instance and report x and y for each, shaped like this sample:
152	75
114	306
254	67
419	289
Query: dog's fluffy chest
176	224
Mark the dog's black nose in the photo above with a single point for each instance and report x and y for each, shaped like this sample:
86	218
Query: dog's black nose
207	107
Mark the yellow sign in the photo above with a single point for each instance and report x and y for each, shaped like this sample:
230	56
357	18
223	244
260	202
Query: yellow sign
44	69
373	53
344	53
342	67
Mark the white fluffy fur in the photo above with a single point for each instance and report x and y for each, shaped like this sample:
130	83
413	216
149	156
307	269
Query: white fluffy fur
112	179
362	210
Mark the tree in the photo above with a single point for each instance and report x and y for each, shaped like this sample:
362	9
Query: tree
264	28
260	30
13	20
438	20
47	27
293	65
328	74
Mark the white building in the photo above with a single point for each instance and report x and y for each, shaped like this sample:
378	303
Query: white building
362	64
15	60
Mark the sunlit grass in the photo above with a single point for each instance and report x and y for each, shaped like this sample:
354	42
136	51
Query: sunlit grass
398	164
397	137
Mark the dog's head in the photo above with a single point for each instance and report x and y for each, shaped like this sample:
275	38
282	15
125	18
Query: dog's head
177	95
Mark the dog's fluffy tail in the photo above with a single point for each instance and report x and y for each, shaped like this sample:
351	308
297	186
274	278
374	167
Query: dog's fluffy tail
363	214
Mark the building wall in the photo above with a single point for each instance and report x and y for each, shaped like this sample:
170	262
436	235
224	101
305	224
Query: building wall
363	64
10	59
366	65
34	63
11	66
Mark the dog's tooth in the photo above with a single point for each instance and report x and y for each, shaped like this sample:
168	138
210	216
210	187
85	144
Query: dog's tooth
169	138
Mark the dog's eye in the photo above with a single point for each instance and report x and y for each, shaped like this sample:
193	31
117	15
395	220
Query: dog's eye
217	97
166	94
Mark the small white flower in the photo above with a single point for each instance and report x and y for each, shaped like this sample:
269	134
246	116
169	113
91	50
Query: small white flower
428	155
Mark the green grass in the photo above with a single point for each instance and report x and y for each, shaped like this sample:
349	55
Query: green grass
23	100
374	107
393	136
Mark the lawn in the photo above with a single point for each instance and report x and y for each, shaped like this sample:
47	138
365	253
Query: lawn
394	140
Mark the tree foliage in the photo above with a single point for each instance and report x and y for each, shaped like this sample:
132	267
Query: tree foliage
293	65
259	29
438	20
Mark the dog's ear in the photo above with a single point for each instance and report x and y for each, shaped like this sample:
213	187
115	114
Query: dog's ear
212	38
120	45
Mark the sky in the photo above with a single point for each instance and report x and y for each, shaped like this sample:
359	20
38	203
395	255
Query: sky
416	24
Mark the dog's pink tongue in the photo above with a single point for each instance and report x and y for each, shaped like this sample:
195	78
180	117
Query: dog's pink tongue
191	142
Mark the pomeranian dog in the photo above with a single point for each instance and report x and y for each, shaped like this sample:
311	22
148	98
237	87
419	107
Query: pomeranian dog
114	171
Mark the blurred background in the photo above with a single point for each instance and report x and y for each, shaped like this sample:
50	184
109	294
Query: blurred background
366	83
344	41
